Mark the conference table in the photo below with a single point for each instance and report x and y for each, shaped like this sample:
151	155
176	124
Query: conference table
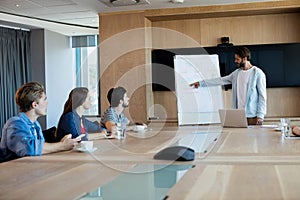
230	163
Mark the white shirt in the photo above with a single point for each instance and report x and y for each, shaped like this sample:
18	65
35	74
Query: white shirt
242	87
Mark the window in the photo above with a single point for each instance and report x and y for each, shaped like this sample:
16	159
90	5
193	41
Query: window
85	53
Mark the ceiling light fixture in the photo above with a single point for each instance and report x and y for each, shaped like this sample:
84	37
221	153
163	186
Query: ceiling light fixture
124	2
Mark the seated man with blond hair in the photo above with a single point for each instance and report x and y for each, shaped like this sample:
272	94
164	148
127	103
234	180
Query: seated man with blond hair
22	134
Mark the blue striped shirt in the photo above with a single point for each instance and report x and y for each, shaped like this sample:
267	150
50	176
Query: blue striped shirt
111	115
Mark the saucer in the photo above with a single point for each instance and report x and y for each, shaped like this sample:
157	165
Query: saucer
277	129
293	137
141	131
110	137
85	150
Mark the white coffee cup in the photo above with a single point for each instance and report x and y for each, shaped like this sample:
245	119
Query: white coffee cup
138	128
87	145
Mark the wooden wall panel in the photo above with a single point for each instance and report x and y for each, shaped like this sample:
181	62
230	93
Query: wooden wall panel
176	34
167	108
280	102
256	23
122	60
283	102
259	29
113	23
242	9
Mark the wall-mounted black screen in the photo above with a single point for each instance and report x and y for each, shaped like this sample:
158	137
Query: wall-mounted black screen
280	62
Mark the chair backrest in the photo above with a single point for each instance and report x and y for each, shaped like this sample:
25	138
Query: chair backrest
49	135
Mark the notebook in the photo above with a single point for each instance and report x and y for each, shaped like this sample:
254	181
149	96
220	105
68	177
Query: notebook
233	118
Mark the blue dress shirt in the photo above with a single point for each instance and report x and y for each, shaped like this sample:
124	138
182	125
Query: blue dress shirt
21	137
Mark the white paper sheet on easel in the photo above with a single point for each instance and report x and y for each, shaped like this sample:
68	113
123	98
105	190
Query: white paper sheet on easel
197	67
197	106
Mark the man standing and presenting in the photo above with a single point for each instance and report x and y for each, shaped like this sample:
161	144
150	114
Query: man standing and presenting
22	134
248	87
118	100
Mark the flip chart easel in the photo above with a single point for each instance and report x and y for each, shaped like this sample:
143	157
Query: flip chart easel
197	106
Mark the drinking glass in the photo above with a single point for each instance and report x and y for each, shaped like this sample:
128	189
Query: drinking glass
121	131
285	124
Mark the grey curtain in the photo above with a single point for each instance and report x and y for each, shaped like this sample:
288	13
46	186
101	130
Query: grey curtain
14	69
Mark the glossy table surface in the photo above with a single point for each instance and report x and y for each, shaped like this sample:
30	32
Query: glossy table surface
235	163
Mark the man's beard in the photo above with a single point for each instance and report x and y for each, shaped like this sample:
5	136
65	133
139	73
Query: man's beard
125	105
241	64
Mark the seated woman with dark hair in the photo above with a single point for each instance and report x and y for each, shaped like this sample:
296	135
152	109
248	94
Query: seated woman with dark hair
72	120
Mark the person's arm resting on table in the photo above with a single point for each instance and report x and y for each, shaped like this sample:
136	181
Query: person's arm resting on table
65	144
109	125
296	130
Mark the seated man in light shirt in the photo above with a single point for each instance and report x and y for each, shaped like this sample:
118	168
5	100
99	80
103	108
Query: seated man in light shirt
22	134
118	100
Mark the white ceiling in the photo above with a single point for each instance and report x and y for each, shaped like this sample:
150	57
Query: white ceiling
80	17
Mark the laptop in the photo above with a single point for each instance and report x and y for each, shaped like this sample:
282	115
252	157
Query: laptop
233	118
